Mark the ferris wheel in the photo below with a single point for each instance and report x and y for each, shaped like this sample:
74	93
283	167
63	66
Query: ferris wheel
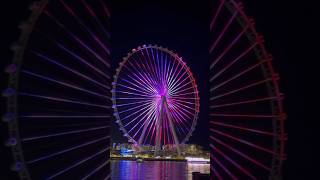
58	95
155	97
247	119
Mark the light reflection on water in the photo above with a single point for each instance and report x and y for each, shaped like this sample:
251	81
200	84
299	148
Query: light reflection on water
155	170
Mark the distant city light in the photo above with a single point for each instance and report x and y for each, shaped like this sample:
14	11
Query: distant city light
197	159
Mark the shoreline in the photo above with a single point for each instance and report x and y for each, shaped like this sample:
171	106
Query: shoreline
146	159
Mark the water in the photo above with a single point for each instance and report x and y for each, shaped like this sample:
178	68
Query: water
155	170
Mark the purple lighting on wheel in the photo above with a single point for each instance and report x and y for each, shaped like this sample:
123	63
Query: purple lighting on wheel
155	97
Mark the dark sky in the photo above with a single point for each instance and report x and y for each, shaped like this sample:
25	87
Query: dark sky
183	27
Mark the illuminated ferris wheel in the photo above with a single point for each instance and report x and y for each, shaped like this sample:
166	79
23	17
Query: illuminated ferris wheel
58	95
155	97
247	119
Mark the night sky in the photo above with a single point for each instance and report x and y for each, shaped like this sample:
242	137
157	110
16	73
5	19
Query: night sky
183	27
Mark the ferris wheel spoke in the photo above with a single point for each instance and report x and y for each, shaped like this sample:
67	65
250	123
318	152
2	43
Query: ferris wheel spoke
78	163
177	93
108	177
182	89
243	128
63	83
170	139
145	78
147	88
227	49
174	87
150	129
178	80
172	67
135	107
145	126
181	131
149	64
67	150
145	69
143	115
180	118
133	103
151	82
214	19
63	133
153	64
241	88
189	83
106	10
183	94
132	98
93	14
243	141
155	60
65	116
183	105
165	66
142	126
154	129
184	101
135	94
245	102
234	15
177	119
177	108
104	163
239	74
233	162
63	100
93	36
158	60
142	109
245	52
180	105
77	39
215	173
76	56
256	162
232	176
159	65
174	74
82	60
172	81
134	87
141	82
172	129
70	69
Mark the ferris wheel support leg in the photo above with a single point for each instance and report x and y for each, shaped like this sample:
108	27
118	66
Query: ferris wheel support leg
158	126
172	128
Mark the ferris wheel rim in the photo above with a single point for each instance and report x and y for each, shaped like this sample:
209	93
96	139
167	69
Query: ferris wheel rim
235	8
18	48
176	58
